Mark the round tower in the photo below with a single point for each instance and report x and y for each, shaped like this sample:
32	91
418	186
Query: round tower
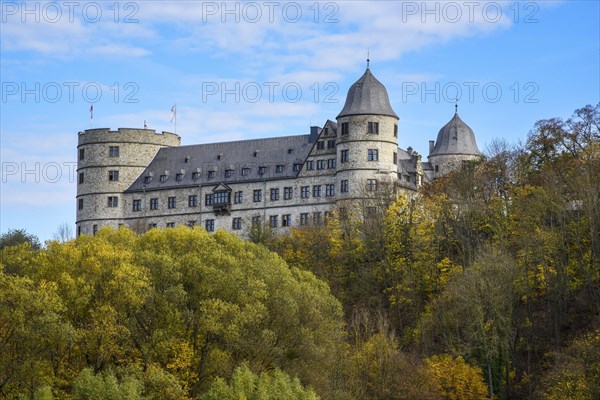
367	142
108	162
454	145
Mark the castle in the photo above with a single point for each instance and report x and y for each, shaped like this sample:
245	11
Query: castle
144	179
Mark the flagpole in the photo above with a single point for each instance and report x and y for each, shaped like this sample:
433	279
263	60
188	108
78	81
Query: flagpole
91	116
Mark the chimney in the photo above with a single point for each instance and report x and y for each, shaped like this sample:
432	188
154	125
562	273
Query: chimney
314	133
431	146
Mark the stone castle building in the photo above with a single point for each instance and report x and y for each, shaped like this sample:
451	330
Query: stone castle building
144	179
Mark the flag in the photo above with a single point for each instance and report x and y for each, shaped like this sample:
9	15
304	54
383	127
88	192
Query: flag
174	113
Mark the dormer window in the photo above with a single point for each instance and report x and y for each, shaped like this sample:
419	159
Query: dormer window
326	131
211	174
195	175
262	170
163	178
255	153
220	156
331	144
228	173
245	171
320	145
187	159
290	151
297	167
179	177
373	128
279	168
147	179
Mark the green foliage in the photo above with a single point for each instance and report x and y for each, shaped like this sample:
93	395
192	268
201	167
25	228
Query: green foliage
245	384
184	305
15	237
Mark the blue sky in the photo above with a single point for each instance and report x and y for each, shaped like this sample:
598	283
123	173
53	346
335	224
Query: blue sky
241	70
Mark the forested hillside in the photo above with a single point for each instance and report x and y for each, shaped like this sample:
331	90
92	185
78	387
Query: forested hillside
487	284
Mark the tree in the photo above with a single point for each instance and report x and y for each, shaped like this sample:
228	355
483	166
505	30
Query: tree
245	384
63	233
454	379
15	237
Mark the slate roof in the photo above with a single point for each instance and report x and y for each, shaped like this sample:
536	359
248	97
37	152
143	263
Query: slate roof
367	96
455	137
194	162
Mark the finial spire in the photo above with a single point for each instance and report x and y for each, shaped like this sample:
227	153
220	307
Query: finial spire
368	58
456	106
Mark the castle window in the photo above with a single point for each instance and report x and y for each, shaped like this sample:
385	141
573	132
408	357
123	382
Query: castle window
137	205
151	225
154	203
395	130
257	196
171	203
80	177
147	179
310	165
331	163
345	128
316	217
304	192
371	185
320	164
331	144
208	199
373	128
255	220
274	194
288	193
395	158
290	151
297	167
209	225
286	220
191	223
304	219
94	230
113	151
273	221
163	178
228	173
222	197
279	168
80	204
113	176
407	178
320	145
193	200
113	201
262	170
326	131
195	175
79	230
329	190
211	174
317	191
245	171
178	177
238	197
344	185
170	224
344	156
187	160
437	168
326	215
82	154
236	224
372	154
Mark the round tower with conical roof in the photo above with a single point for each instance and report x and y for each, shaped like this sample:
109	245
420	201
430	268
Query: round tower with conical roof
454	145
367	140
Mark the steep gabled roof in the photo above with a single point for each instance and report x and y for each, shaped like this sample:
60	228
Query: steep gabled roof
220	157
